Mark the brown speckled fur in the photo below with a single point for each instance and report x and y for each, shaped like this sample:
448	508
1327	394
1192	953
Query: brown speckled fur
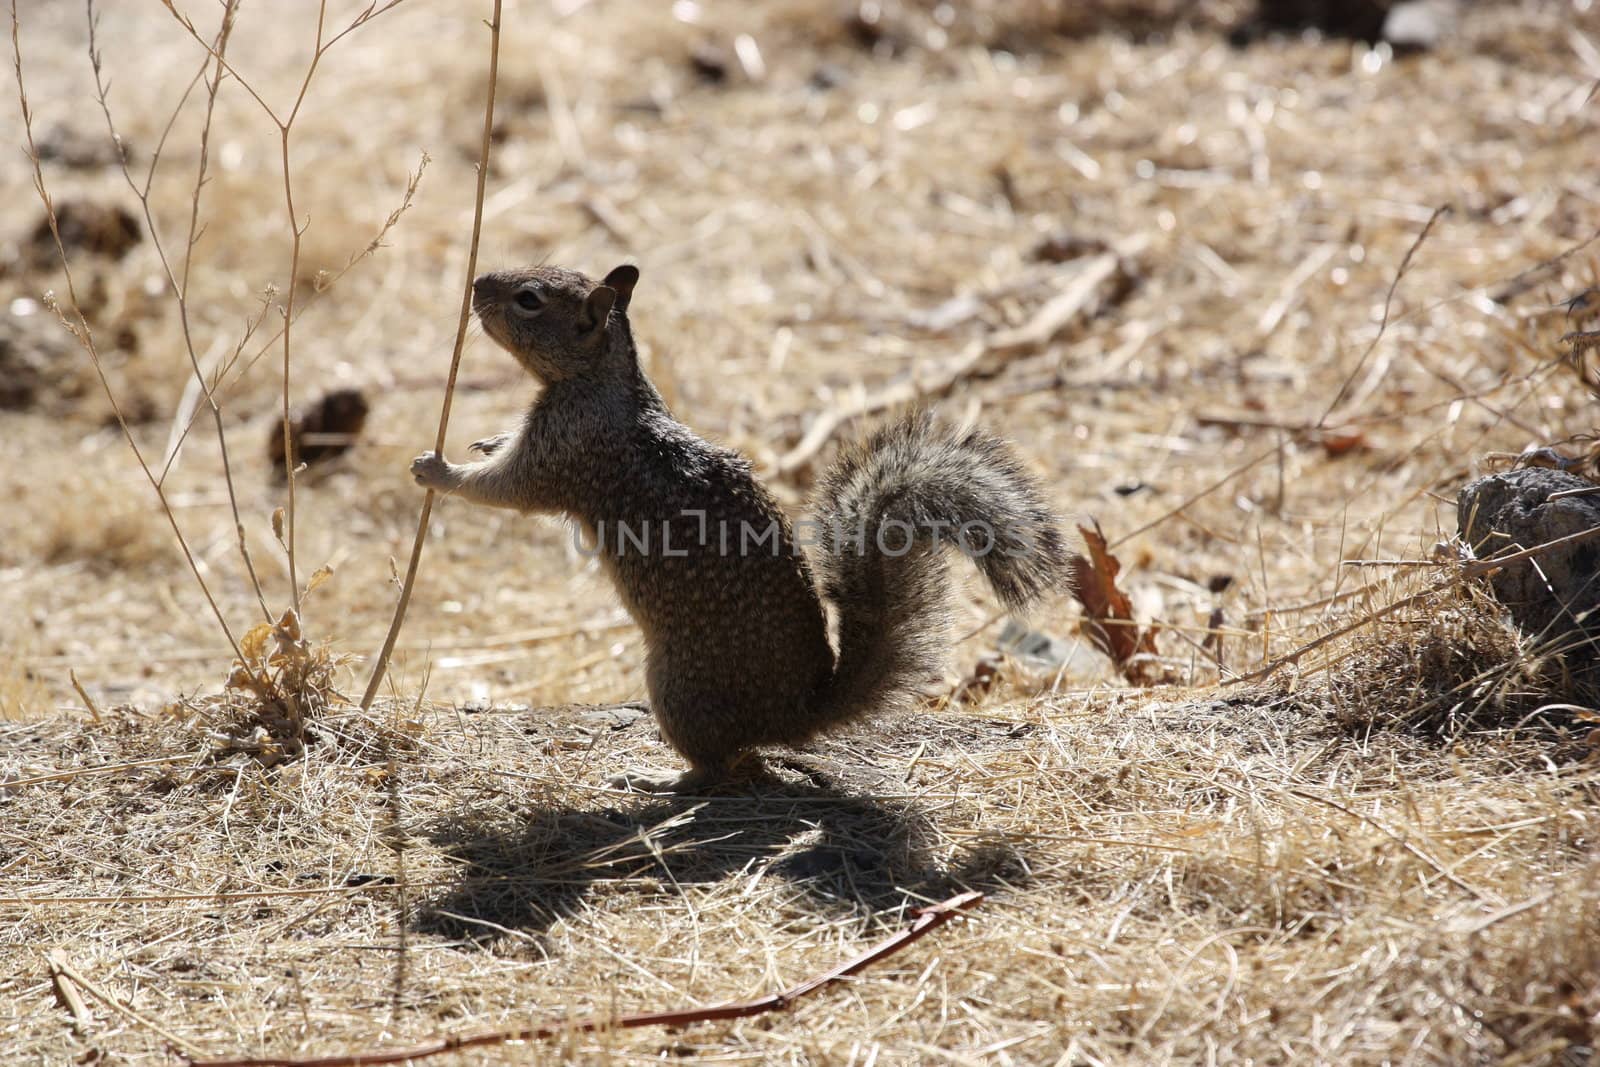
738	651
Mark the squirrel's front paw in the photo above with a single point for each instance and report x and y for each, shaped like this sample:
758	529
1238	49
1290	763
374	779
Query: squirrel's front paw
432	471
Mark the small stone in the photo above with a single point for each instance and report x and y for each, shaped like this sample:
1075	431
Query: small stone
1557	592
612	717
1420	24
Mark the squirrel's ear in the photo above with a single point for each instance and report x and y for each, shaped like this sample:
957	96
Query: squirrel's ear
598	306
623	279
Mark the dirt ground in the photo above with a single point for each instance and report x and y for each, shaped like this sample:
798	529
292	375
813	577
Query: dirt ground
1312	286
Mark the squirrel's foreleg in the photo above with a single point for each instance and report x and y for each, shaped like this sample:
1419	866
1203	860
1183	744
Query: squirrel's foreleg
505	480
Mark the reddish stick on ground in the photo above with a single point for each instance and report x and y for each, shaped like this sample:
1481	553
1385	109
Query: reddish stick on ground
927	918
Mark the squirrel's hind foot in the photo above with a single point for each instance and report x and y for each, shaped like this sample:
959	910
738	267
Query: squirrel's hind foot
643	781
693	780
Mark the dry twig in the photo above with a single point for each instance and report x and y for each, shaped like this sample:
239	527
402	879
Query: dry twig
1383	325
60	966
382	663
928	918
67	992
79	326
180	284
285	126
1078	288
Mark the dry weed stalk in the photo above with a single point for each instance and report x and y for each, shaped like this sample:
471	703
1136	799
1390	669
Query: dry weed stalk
232	370
290	684
78	324
180	285
381	666
297	230
927	919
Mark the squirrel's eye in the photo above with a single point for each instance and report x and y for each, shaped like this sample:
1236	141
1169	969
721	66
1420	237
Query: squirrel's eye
528	299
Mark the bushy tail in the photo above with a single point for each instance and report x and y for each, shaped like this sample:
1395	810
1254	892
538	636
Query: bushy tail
885	509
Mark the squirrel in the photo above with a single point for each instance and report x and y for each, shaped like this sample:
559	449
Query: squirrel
705	560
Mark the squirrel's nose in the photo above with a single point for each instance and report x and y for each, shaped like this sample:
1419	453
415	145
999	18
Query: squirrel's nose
487	289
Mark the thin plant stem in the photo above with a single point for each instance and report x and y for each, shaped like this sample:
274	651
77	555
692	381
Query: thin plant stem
85	335
326	282
180	286
381	666
296	229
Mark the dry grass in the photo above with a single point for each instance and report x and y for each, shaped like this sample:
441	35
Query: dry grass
111	529
1374	856
1455	663
1169	880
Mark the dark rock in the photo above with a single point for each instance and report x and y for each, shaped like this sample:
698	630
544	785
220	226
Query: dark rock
1408	26
1060	246
710	61
326	429
1555	593
85	226
1360	20
32	349
78	150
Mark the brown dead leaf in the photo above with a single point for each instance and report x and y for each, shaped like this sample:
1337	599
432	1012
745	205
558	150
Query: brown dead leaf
985	673
320	575
254	644
1108	613
1339	444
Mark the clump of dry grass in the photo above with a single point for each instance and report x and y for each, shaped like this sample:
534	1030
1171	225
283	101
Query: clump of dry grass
20	689
286	684
1454	663
90	521
1535	985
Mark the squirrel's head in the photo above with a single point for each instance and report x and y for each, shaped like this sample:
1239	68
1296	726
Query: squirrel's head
558	323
